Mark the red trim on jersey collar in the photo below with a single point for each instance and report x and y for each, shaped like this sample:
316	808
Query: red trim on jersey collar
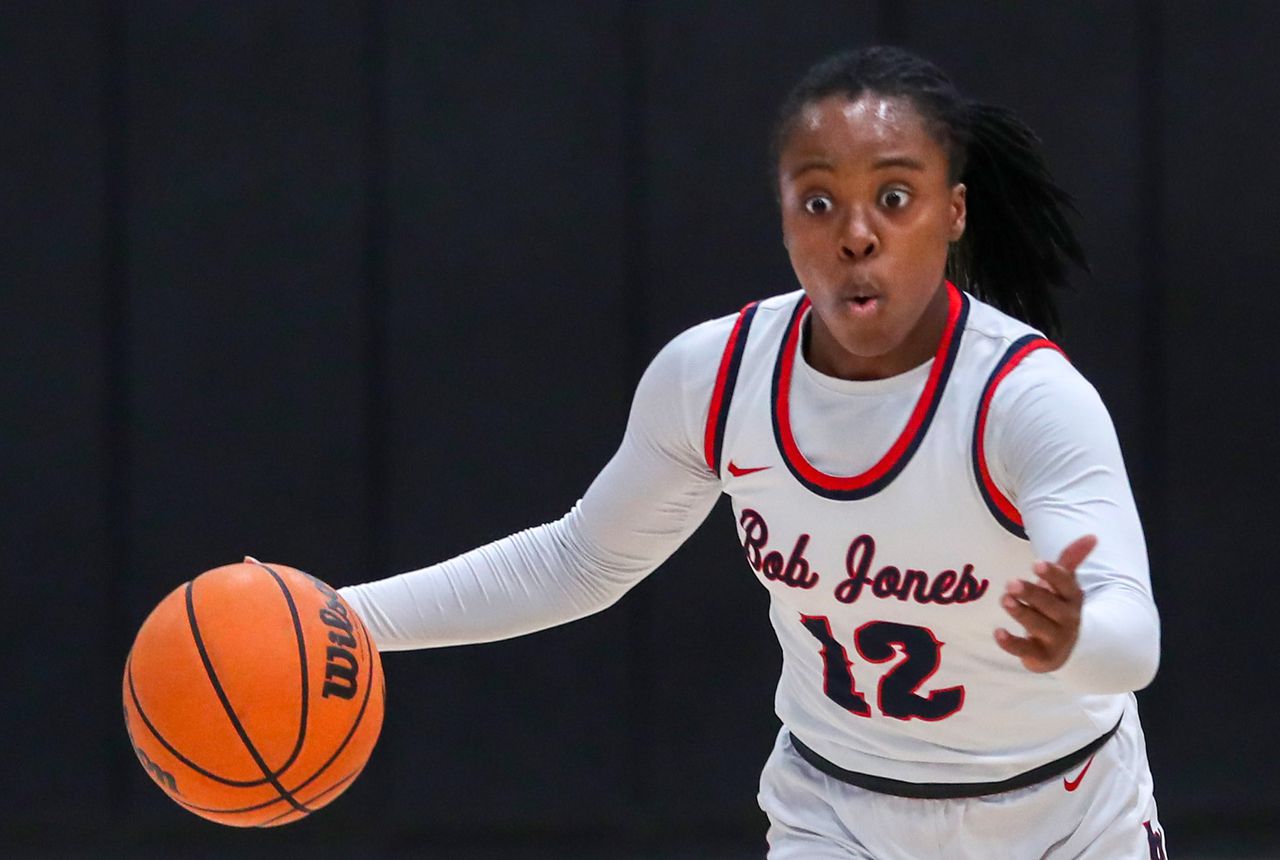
997	502
878	476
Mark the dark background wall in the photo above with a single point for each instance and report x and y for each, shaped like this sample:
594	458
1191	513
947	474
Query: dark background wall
356	287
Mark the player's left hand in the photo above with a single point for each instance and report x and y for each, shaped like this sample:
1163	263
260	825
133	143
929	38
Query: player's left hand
1048	609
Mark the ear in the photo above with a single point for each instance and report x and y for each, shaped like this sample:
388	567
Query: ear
958	211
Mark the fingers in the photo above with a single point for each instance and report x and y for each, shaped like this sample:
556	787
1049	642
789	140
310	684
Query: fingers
1049	602
1059	579
1022	648
1048	610
1037	625
1034	655
1061	576
1076	552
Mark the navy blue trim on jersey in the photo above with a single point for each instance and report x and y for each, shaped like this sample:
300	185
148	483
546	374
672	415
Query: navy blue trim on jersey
917	437
952	790
743	328
1001	508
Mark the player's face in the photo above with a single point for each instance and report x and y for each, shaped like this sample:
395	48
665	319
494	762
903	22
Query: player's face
867	216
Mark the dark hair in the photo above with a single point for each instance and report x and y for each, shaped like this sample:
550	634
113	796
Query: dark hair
1017	241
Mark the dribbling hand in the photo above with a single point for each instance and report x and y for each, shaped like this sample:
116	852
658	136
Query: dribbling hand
1048	609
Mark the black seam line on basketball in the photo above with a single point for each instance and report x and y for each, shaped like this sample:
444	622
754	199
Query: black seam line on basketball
337	786
128	725
368	650
128	662
236	783
731	382
266	803
364	703
350	733
999	515
302	663
257	806
137	703
346	780
953	350
230	711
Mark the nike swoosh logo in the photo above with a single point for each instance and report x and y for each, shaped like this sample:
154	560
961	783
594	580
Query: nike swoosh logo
738	472
1073	784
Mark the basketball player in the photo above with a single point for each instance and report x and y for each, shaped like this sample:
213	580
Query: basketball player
933	496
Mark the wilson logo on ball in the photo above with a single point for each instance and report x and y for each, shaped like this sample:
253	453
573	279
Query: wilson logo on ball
341	667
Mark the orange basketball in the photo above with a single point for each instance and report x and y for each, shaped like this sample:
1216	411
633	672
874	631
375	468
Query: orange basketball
253	695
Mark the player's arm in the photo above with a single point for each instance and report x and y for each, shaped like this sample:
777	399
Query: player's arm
1086	610
648	499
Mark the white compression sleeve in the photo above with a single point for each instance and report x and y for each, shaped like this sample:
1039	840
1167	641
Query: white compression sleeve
1053	449
648	499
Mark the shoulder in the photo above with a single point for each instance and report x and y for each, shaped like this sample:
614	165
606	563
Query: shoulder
712	335
1045	408
674	394
1023	363
994	329
1038	407
693	356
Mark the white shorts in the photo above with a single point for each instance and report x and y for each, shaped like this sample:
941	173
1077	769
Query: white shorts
1111	814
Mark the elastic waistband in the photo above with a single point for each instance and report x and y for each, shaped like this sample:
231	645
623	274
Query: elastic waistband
948	790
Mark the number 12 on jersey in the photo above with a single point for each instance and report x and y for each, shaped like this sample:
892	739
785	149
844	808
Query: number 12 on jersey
897	695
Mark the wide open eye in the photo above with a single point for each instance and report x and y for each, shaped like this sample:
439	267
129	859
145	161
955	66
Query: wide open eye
895	198
818	204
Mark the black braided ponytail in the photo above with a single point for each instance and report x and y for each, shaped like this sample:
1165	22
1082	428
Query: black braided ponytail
1017	243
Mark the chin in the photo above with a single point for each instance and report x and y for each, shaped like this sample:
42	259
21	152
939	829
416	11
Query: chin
864	340
862	345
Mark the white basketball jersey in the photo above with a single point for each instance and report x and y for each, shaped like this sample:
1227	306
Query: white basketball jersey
885	586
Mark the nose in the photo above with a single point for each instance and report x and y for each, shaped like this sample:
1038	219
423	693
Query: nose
859	240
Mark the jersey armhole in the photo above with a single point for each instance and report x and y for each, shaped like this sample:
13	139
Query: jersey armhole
722	393
1004	511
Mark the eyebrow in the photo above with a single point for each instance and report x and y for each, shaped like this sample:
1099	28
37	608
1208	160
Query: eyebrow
812	164
898	161
903	161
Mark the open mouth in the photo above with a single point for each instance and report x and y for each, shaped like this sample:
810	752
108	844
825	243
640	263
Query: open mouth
863	304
